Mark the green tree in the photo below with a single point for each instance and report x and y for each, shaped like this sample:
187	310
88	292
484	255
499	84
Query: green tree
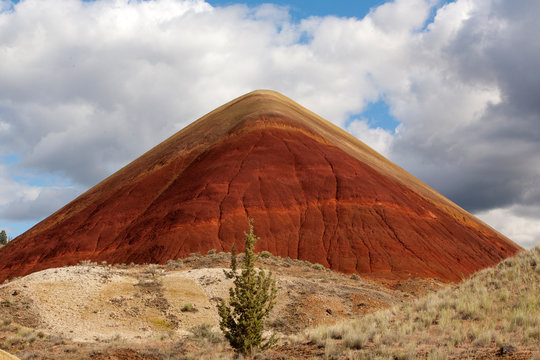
251	299
3	237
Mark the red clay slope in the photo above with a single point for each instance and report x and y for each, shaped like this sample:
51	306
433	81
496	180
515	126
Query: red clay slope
316	193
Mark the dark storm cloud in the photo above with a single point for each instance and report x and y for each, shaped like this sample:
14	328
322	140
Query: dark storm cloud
493	160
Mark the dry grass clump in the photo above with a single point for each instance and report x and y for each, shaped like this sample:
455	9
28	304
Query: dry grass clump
207	333
18	336
175	264
163	324
88	263
496	307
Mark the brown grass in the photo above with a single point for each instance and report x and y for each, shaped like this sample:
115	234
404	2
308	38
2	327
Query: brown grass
496	307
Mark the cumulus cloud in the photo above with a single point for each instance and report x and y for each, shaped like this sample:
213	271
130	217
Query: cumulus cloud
517	222
20	201
118	76
376	138
471	125
47	201
474	113
86	87
9	188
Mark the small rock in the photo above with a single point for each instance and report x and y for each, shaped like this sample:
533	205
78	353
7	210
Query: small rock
329	311
506	349
15	293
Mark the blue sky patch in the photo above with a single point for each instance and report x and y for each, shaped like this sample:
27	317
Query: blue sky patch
378	115
301	9
16	228
10	159
43	180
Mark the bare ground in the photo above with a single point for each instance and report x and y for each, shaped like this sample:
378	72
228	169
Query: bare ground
169	311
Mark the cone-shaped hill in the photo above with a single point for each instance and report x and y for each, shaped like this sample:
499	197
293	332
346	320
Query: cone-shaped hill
315	192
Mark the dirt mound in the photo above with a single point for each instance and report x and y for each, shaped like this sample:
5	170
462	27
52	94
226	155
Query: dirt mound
316	193
95	309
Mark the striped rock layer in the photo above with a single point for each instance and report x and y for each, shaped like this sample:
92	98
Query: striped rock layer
315	193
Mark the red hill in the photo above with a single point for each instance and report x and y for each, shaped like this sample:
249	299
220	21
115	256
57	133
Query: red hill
316	193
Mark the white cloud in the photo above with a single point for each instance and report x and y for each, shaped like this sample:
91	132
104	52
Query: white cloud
20	201
401	16
378	138
10	189
42	202
523	229
470	124
86	87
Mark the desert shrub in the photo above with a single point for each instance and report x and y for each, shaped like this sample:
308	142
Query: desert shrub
354	340
193	257
204	332
251	299
318	266
175	264
87	263
485	337
437	354
151	270
331	351
171	263
265	254
534	334
188	307
336	332
164	324
318	336
5	323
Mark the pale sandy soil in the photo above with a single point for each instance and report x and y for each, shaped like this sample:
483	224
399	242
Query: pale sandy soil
5	356
145	304
91	303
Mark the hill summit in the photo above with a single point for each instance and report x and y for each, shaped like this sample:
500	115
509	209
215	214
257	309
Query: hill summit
315	192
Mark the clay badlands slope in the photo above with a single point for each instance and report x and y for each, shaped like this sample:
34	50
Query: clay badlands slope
316	193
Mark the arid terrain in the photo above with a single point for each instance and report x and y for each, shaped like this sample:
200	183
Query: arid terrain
85	310
355	243
99	311
493	315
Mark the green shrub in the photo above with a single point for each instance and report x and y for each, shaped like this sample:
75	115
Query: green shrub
188	308
251	299
265	254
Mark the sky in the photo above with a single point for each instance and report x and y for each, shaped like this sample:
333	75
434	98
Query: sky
448	90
